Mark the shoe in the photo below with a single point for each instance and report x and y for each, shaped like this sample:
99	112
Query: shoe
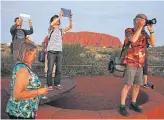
146	86
122	111
58	87
44	97
50	88
135	107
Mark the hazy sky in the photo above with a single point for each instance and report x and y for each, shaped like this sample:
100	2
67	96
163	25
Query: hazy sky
103	17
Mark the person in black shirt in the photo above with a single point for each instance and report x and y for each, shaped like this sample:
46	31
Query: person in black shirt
19	35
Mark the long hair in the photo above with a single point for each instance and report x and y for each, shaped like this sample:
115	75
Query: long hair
25	47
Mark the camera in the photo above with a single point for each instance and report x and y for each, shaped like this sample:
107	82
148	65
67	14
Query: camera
153	21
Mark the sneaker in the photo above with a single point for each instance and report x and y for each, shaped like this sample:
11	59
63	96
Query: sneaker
58	87
50	88
44	97
122	111
146	86
135	107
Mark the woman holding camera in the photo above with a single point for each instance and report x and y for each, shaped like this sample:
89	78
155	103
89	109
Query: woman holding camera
54	49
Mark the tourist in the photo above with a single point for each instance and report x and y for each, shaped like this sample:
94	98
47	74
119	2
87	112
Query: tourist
54	49
25	86
134	60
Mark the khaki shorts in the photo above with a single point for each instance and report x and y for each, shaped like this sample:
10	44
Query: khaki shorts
133	75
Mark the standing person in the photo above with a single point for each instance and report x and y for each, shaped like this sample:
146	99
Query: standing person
19	35
45	44
54	49
134	60
25	86
145	76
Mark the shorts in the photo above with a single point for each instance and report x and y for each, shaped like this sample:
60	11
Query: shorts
133	75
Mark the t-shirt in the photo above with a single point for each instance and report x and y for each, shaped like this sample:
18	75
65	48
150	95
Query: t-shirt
19	36
55	42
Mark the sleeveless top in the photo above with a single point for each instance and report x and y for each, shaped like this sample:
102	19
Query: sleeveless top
23	108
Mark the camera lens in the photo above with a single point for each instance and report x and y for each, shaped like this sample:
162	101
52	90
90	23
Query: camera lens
154	21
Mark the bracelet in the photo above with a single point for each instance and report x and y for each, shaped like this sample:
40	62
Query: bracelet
151	32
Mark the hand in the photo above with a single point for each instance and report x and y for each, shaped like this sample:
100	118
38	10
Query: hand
42	91
141	23
150	27
30	23
61	14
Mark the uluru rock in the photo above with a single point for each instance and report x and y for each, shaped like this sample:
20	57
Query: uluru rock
91	39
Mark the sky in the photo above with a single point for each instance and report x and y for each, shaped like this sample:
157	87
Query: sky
109	17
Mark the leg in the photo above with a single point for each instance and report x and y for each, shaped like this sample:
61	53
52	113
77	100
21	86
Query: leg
135	92
15	54
137	83
58	69
51	61
46	65
54	69
128	80
124	93
145	79
145	73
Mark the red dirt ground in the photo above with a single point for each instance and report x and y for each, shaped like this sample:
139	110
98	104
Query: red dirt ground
95	93
96	96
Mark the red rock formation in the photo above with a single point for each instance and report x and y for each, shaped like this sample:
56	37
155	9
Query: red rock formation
91	39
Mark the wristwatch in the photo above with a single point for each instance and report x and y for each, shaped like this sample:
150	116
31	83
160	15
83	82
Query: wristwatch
151	32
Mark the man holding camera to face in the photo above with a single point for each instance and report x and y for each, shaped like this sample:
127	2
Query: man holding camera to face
19	35
134	60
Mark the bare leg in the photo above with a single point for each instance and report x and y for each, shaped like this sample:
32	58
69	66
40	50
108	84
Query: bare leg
124	93
145	79
135	92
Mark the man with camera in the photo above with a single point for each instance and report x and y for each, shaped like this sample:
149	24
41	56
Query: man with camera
19	35
134	60
54	49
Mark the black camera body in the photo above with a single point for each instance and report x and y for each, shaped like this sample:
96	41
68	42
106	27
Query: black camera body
153	21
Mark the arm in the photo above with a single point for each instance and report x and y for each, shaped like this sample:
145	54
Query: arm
152	35
56	20
70	25
21	82
13	28
135	37
29	32
141	24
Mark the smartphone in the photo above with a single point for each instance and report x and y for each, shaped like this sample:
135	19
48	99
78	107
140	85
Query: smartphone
25	17
67	12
